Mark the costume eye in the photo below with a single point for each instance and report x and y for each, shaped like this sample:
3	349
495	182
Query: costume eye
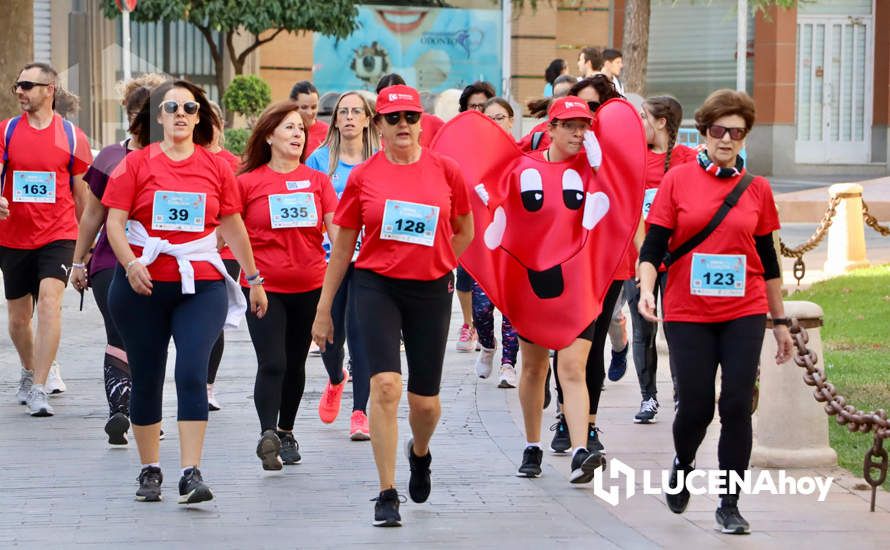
572	189
531	189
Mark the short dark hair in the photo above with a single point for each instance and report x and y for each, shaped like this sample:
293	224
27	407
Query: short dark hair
478	87
146	128
47	70
499	101
594	56
724	103
599	82
390	79
611	54
554	69
303	87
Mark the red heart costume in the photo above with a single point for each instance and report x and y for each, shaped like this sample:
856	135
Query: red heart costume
549	236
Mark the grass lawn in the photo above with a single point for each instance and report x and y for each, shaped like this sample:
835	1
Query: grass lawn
856	337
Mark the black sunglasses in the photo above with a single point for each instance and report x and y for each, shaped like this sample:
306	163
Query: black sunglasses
735	134
27	85
170	107
411	117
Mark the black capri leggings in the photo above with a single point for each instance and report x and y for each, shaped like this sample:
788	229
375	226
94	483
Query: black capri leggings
420	311
100	282
146	324
695	351
216	354
281	341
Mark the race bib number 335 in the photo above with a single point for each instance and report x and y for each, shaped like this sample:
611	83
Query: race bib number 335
409	222
718	275
178	211
293	210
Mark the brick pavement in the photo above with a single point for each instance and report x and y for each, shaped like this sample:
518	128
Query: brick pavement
81	494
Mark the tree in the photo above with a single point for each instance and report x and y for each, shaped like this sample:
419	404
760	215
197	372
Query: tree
247	95
231	17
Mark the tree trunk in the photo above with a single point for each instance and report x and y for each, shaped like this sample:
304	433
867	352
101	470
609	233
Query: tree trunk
16	48
635	48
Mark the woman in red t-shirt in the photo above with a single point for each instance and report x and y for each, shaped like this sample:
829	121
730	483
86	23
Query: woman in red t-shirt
164	203
305	94
416	212
286	207
717	295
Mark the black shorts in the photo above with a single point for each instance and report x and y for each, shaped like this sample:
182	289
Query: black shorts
24	269
418	311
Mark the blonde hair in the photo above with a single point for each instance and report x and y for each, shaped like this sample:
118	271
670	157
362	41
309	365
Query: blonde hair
370	139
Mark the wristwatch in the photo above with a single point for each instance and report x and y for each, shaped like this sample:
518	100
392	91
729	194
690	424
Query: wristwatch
782	321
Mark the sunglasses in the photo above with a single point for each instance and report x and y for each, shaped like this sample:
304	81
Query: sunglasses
26	85
735	134
189	107
411	117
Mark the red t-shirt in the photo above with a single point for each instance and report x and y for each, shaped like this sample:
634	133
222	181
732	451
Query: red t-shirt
235	163
144	173
316	135
31	225
687	200
525	144
291	259
434	181
429	127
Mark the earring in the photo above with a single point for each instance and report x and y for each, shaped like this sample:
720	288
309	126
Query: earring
268	142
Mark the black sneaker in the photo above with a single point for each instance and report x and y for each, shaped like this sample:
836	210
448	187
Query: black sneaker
290	449
678	502
594	444
116	428
729	520
584	465
547	395
150	479
648	410
192	488
386	509
419	484
268	450
531	462
618	365
561	442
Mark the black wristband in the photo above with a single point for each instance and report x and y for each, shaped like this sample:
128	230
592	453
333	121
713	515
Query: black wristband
781	321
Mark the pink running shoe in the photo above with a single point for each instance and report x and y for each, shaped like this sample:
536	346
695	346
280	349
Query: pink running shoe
358	427
467	341
329	405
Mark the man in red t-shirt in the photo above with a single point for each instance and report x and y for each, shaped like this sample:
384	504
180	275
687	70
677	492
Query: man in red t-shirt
306	96
44	160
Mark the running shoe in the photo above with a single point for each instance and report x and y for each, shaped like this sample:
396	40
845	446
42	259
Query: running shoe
314	350
677	500
359	429
507	378
212	403
268	450
593	439
561	442
584	465
729	520
150	479
290	449
531	462
25	383
386	509
484	361
329	405
54	383
116	427
648	410
192	488
467	340
618	365
419	484
38	403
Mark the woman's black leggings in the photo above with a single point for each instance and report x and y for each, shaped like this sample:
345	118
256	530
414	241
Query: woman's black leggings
216	354
115	372
695	351
281	340
343	313
645	353
596	367
146	324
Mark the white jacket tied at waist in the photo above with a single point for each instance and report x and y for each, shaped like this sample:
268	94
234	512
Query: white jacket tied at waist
199	250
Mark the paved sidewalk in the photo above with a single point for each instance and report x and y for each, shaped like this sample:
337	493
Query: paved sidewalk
81	494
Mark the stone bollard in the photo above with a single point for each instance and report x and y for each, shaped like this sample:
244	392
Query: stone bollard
846	236
790	426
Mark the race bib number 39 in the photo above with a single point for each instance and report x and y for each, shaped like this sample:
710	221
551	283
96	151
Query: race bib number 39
409	222
33	186
293	210
718	275
178	211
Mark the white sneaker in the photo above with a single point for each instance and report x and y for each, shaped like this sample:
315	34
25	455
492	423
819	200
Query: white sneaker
507	377
38	403
54	383
25	383
484	361
212	403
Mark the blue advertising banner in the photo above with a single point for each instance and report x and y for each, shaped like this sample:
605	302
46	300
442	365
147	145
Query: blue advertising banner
432	48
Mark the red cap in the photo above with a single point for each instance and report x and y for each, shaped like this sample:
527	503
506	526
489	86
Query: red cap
397	98
569	107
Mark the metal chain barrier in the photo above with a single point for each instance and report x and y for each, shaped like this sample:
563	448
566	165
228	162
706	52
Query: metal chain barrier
876	462
811	243
872	222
